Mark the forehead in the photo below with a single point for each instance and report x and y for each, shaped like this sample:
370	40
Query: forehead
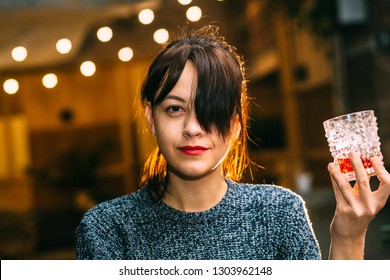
185	88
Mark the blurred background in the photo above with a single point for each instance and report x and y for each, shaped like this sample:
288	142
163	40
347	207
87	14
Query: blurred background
72	132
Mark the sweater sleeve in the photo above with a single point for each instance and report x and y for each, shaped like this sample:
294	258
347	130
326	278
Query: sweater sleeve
298	239
98	239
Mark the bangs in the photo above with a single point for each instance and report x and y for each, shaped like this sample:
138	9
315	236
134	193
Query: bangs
218	93
219	81
164	73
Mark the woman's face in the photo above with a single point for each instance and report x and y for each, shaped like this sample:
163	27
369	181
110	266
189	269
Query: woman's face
190	152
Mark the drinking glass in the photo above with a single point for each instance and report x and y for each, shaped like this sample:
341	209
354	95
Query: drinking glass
358	132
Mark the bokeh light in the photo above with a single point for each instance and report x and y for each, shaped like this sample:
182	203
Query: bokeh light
88	68
19	53
64	46
125	54
160	36
11	86
49	80
194	13
104	34
184	2
146	16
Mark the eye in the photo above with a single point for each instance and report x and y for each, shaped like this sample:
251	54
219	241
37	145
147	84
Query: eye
174	109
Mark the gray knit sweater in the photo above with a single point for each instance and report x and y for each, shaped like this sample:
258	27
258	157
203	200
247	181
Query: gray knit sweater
250	222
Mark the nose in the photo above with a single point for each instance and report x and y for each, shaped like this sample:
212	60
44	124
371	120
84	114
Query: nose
192	127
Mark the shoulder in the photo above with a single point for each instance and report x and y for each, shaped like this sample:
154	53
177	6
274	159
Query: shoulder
263	190
270	196
106	229
115	210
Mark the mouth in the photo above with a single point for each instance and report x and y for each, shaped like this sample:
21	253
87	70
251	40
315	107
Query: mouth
193	150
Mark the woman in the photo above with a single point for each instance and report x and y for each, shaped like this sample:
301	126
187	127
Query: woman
190	205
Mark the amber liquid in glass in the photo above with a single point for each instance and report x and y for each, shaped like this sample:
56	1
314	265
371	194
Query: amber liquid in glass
346	166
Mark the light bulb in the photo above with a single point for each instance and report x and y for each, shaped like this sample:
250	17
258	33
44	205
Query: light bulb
184	2
104	34
64	46
88	68
11	86
146	16
161	36
49	80
194	13
125	54
19	53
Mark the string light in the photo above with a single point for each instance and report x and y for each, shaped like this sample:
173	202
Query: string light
184	2
125	54
11	86
19	53
194	13
160	36
64	46
49	80
104	34
88	68
146	16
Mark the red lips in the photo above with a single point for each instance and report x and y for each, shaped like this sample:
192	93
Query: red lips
193	150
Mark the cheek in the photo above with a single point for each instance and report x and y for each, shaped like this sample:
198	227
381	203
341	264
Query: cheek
225	147
165	133
221	144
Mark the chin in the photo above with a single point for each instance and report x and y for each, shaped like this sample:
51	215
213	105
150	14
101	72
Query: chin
192	175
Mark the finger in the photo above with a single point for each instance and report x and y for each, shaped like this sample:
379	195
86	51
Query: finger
337	193
341	186
383	176
362	179
380	170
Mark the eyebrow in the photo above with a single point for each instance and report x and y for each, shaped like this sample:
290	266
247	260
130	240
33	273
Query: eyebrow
175	97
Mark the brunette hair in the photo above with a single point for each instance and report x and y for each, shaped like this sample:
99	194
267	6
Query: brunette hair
221	94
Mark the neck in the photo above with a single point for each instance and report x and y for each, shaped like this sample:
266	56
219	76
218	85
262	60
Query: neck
195	195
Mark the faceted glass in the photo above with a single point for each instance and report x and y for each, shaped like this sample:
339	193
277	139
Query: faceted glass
356	131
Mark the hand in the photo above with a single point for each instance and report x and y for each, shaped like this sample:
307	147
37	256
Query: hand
355	207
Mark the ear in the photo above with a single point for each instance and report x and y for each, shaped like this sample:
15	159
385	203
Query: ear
150	118
236	127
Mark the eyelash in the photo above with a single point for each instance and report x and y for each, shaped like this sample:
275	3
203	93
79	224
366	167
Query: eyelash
170	110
